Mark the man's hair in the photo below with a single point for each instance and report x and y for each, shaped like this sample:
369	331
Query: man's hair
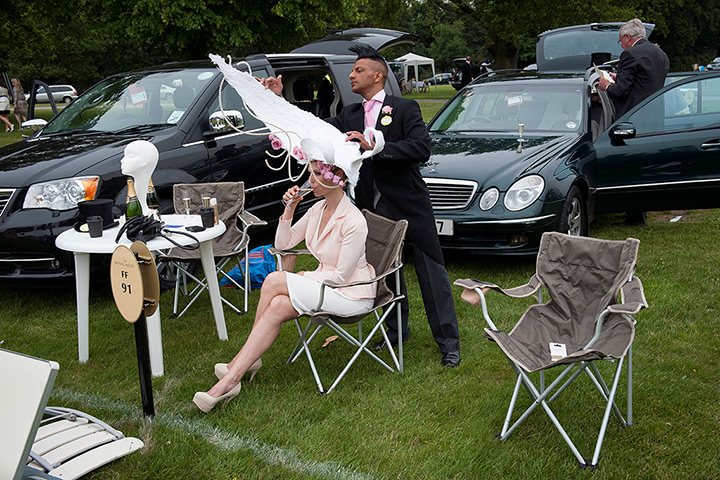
363	50
634	28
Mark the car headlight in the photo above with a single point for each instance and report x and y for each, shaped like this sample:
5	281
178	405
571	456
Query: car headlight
489	198
524	192
61	194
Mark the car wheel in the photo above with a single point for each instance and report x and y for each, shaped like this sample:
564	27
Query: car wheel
574	214
67	99
168	96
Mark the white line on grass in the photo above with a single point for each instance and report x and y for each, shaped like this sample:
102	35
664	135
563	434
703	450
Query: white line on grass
270	454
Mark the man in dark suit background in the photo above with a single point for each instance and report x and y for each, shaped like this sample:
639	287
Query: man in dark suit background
467	72
641	72
390	185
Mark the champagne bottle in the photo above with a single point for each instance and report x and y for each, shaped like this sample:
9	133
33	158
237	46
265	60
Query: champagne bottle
132	204
153	200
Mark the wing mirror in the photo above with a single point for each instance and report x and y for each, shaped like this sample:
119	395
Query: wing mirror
35	124
220	123
622	131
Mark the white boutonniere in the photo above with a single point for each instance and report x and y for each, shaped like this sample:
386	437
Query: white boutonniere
386	119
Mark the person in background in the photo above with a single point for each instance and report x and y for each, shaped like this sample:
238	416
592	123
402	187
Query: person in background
5	107
21	106
467	72
641	71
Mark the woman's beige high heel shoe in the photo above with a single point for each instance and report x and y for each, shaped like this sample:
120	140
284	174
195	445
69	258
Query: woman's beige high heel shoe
221	369
207	402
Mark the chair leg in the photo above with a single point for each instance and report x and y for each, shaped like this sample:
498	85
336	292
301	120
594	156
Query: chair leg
599	382
606	417
305	347
629	387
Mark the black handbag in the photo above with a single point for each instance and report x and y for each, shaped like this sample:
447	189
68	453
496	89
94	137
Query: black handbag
143	229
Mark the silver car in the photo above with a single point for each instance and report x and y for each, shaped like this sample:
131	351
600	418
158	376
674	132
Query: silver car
60	93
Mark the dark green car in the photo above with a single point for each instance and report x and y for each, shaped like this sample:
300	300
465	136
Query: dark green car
517	155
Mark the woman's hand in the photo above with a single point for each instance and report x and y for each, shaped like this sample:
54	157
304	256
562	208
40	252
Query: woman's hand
291	199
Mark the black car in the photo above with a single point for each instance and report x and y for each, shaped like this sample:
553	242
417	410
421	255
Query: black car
516	155
76	156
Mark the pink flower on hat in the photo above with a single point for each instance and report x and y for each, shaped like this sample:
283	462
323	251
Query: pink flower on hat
299	154
387	109
275	142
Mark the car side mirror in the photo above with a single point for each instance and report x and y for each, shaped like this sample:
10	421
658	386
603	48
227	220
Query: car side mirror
229	121
622	131
35	124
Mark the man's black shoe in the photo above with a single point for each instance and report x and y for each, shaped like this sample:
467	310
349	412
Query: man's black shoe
450	359
381	345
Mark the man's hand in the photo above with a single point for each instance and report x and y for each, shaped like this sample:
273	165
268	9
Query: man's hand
603	83
273	84
359	137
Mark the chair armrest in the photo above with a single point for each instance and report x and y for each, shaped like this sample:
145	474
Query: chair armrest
278	252
471	284
377	278
474	293
250	220
632	296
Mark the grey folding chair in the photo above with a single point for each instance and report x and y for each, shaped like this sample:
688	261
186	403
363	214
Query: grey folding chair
383	251
583	322
233	244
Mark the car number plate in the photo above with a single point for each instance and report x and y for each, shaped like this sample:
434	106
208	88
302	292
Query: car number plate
445	226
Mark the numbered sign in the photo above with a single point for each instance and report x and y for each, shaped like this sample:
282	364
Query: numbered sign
127	283
151	281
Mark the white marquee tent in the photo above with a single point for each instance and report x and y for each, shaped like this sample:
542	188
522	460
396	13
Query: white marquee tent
413	60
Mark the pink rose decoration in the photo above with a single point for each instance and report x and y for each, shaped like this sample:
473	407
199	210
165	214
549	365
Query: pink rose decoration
387	109
299	154
275	142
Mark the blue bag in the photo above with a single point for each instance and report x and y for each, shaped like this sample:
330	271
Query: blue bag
262	262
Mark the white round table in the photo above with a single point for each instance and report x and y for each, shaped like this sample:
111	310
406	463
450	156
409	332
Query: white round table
83	246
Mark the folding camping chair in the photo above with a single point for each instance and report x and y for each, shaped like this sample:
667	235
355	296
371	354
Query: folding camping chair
383	251
581	323
69	443
233	244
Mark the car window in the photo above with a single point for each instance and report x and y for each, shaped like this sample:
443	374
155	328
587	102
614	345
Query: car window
503	106
134	100
585	42
688	106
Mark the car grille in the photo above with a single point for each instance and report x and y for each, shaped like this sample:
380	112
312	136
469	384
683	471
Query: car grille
446	194
5	196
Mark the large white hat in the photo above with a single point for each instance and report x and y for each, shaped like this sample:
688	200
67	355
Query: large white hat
303	135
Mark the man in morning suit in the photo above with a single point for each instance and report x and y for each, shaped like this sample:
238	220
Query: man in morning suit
641	72
390	185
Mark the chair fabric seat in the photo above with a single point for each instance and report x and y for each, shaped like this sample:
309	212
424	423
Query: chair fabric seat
529	342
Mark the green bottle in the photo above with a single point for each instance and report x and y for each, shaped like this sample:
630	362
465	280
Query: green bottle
132	204
153	200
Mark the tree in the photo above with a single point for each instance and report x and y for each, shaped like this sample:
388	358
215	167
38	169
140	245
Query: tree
508	27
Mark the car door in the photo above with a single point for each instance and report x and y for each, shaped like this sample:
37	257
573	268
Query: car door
665	153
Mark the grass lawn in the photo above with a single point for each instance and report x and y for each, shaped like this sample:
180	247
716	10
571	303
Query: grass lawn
427	423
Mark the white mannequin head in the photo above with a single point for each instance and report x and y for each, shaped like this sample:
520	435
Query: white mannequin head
139	162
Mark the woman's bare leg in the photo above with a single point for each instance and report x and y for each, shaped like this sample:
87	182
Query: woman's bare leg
278	310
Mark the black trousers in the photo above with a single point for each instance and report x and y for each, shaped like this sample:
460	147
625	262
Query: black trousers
437	297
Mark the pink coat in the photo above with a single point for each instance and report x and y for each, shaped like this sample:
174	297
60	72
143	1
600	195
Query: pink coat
340	247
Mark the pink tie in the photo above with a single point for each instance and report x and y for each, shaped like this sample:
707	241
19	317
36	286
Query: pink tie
368	106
